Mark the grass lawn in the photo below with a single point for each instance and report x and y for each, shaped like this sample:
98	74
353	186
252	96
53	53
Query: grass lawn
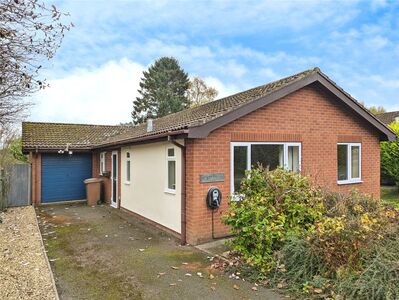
390	194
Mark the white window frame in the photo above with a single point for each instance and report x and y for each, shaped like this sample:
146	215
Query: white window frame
351	180
168	159
102	162
128	159
249	144
114	202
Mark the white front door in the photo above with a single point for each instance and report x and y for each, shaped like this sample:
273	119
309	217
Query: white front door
114	179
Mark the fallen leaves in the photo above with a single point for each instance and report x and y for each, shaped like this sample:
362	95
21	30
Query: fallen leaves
236	287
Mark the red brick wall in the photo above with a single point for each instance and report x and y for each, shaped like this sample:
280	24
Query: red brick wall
36	190
311	116
106	180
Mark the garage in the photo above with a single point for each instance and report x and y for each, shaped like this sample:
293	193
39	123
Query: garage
63	176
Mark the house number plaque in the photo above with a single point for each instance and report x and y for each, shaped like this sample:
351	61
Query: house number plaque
212	177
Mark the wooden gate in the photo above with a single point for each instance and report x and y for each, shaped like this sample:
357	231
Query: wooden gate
15	185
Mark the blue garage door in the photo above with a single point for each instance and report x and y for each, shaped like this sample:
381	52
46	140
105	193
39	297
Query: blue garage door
63	175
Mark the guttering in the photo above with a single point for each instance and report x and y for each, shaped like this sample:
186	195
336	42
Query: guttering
142	139
183	234
36	149
128	141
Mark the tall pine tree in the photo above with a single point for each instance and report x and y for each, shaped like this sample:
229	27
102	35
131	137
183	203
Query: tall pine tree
162	91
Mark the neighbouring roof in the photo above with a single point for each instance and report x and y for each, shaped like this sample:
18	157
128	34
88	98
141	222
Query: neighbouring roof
388	117
195	122
56	136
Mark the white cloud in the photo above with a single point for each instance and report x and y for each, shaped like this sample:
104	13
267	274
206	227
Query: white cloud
101	95
378	42
377	4
223	89
385	82
216	17
233	45
268	74
112	26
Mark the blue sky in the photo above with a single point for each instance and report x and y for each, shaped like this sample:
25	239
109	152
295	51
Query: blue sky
233	45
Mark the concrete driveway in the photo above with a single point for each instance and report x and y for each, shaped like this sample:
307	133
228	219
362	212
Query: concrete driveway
103	253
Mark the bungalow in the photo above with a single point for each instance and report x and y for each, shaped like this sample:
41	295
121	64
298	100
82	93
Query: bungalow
162	171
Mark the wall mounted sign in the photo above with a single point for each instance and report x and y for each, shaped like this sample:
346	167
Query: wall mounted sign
212	177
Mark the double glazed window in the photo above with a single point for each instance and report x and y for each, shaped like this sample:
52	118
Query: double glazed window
102	163
128	167
349	162
246	156
171	169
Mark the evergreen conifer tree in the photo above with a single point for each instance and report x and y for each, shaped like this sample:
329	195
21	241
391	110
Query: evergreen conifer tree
162	91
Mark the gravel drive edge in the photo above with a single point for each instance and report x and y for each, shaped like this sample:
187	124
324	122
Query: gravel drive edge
47	260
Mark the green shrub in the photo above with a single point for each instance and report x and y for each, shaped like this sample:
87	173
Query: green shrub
273	206
390	156
379	277
351	224
314	243
298	263
352	251
351	205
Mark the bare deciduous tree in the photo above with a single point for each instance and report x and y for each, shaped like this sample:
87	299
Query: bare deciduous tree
30	31
7	135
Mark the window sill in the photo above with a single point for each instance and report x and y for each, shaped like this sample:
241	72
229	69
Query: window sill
127	182
343	182
171	192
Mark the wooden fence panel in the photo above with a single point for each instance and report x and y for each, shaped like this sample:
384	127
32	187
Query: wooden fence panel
18	180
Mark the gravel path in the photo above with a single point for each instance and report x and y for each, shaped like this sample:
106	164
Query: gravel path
24	269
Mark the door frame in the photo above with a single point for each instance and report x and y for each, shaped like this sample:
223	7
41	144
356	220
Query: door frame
114	202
